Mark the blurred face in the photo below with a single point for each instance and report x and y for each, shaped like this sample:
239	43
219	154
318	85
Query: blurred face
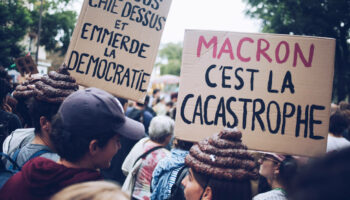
268	167
104	157
193	190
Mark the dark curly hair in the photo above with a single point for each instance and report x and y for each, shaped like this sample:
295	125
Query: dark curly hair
287	171
339	122
222	189
4	74
323	179
5	89
38	109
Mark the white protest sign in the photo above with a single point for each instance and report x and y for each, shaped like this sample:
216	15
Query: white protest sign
115	43
275	88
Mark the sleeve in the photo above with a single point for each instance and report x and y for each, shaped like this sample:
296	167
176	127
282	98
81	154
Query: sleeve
127	164
130	159
157	180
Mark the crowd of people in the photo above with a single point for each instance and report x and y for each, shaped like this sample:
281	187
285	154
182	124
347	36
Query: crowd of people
62	142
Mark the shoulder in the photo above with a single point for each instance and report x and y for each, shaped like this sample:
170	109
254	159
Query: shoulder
272	194
12	186
51	156
13	122
160	154
17	139
334	143
13	117
165	152
148	114
10	116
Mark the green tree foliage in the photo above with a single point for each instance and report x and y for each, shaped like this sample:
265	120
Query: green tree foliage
17	19
56	30
57	24
327	18
14	22
172	54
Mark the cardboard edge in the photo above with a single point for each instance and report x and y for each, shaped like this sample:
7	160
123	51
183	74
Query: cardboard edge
76	31
263	34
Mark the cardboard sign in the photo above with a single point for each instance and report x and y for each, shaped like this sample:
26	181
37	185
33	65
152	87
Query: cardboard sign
275	88
115	43
26	65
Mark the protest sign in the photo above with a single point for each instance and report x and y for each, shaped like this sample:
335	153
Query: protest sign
115	43
275	88
26	65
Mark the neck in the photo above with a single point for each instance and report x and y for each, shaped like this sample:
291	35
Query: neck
39	139
79	164
337	136
275	184
160	144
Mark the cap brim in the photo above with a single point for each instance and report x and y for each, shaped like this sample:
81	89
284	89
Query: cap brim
132	129
276	156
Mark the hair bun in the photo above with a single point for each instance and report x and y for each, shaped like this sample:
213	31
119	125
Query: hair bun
53	88
223	156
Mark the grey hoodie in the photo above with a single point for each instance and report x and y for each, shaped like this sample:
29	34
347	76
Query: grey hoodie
21	139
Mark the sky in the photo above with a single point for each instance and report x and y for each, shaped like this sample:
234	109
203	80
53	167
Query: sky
222	15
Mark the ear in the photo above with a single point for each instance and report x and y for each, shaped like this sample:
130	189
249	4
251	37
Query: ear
43	121
45	124
93	147
277	170
208	193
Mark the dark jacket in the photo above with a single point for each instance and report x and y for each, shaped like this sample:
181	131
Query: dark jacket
40	178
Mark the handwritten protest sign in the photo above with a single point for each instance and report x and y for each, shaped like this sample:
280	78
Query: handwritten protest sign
275	88
26	65
115	43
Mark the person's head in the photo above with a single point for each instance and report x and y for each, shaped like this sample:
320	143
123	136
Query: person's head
280	168
161	99
325	178
200	186
147	99
344	105
124	103
92	190
140	105
339	122
41	96
334	107
161	129
182	144
156	93
170	105
220	167
173	97
4	75
88	125
22	111
5	88
41	113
